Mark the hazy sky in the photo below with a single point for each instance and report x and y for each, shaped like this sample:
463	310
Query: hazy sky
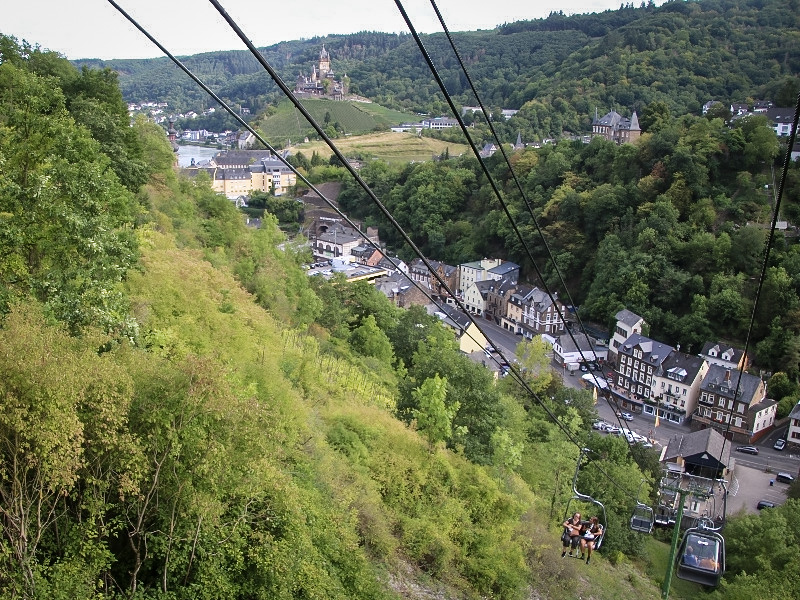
95	29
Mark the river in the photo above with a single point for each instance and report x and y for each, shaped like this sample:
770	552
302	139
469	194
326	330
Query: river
198	153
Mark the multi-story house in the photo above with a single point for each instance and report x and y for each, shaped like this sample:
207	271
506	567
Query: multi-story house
628	323
420	273
639	359
793	437
529	311
476	295
781	120
338	241
735	404
676	386
241	172
487	268
497	296
542	315
616	128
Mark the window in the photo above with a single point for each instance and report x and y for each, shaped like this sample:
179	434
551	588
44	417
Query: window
650	370
740	408
622	359
737	422
721	401
684	391
662	385
646	393
619	380
639	390
647	381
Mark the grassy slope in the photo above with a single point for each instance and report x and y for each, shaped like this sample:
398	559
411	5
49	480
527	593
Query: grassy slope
353	117
334	432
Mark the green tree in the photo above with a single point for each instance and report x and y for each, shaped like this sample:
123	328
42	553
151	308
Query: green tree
434	416
369	340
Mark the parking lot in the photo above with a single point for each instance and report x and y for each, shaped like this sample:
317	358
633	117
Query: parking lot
749	485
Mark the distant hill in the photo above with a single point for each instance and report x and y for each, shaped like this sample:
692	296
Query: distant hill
557	71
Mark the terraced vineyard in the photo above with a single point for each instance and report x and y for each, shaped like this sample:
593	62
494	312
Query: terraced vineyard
388	146
287	123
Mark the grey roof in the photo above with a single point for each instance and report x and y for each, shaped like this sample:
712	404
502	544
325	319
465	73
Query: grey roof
627	317
795	414
504	268
339	235
720	380
653	352
232	174
722	348
681	367
585	342
693	446
455	317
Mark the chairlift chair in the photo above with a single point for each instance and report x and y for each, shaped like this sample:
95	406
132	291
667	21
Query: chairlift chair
643	518
578	497
705	563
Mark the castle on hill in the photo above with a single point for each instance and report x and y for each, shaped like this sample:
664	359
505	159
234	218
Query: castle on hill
322	81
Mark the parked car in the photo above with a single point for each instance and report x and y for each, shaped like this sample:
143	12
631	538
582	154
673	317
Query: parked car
614	430
584	368
784	477
747	449
599	425
780	444
765	504
626	416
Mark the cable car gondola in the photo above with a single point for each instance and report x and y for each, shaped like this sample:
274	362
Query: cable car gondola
577	496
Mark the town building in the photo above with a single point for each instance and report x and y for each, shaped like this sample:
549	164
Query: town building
470	339
676	387
616	128
639	359
793	437
530	312
735	404
576	349
628	323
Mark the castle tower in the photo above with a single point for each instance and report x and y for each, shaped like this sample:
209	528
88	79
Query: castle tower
324	62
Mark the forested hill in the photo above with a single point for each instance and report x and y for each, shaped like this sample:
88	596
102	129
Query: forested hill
558	70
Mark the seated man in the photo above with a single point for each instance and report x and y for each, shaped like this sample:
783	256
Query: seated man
690	558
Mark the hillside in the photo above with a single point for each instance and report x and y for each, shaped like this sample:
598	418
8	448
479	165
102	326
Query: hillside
285	122
557	71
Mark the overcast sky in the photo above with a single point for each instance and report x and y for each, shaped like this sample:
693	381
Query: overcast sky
95	29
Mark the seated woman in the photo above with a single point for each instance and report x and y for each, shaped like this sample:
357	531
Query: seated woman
571	535
590	535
